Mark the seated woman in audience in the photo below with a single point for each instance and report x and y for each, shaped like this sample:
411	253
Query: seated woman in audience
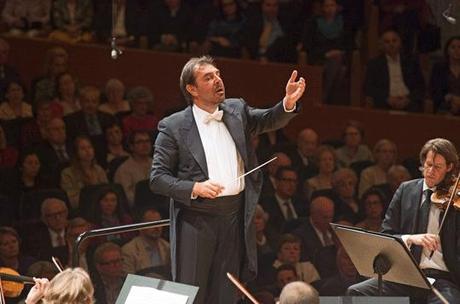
385	155
327	38
445	79
344	182
10	255
67	94
14	106
83	171
56	62
223	32
141	101
373	203
326	163
114	139
8	153
108	211
72	20
265	241
354	150
115	93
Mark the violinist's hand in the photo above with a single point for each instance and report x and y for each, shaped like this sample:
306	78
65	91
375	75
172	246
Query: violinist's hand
427	240
207	189
36	293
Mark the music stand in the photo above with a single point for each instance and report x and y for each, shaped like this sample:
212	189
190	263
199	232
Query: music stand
173	287
386	255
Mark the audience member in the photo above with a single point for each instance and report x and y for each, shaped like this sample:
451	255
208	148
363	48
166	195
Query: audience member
141	100
303	157
33	132
48	239
445	80
327	38
346	276
316	235
42	269
54	152
353	149
67	94
289	253
344	184
108	211
115	93
269	184
75	227
270	143
284	207
299	293
114	139
72	20
109	266
14	105
56	62
28	17
8	153
7	72
393	80
83	171
396	175
265	240
171	26
284	275
148	253
373	203
71	286
224	32
266	36
137	167
10	253
325	160
385	155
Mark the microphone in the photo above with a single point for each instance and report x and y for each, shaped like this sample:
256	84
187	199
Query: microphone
116	51
447	15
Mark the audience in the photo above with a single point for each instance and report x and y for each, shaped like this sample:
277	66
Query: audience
7	72
68	101
8	153
141	118
14	105
27	17
372	202
303	159
115	93
353	150
72	20
325	160
344	184
10	253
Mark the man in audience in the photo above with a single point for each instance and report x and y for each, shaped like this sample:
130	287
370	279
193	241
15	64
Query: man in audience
77	226
49	239
316	236
299	293
54	152
283	207
109	265
269	184
393	80
302	158
147	253
137	167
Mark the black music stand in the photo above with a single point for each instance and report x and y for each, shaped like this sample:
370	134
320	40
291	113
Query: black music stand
164	285
385	256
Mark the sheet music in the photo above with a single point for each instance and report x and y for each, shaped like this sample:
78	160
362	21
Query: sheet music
144	295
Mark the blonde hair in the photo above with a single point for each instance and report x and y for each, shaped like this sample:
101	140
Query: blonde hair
72	286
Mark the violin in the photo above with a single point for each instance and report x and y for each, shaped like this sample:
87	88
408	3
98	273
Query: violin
443	197
12	283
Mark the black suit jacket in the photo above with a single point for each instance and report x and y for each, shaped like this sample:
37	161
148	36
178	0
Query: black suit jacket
377	81
276	221
50	165
39	244
179	161
401	216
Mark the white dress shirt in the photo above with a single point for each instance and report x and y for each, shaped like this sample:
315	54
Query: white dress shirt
397	85
222	158
54	238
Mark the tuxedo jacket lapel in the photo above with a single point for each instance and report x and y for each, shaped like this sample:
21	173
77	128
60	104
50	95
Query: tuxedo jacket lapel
191	137
235	128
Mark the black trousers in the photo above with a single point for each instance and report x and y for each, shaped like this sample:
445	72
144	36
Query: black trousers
417	295
210	243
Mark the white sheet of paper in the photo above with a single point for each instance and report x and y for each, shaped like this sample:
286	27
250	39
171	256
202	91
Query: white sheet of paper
146	295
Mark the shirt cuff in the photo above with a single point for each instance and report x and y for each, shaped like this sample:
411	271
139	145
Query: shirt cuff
286	110
405	238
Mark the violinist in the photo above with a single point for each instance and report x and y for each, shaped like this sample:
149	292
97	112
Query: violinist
413	217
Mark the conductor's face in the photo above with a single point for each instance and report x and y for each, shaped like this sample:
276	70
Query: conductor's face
208	90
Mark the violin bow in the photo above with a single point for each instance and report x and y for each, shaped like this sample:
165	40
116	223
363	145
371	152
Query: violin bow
241	288
57	263
2	296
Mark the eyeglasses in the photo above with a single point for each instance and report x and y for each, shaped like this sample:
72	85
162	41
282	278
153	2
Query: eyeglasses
56	214
112	262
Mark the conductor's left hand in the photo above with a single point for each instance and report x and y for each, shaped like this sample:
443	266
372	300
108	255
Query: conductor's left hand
294	90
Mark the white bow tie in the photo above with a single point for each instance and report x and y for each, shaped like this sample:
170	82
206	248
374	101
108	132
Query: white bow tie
214	116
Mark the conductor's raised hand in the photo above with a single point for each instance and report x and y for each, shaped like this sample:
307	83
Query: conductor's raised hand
207	189
294	90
